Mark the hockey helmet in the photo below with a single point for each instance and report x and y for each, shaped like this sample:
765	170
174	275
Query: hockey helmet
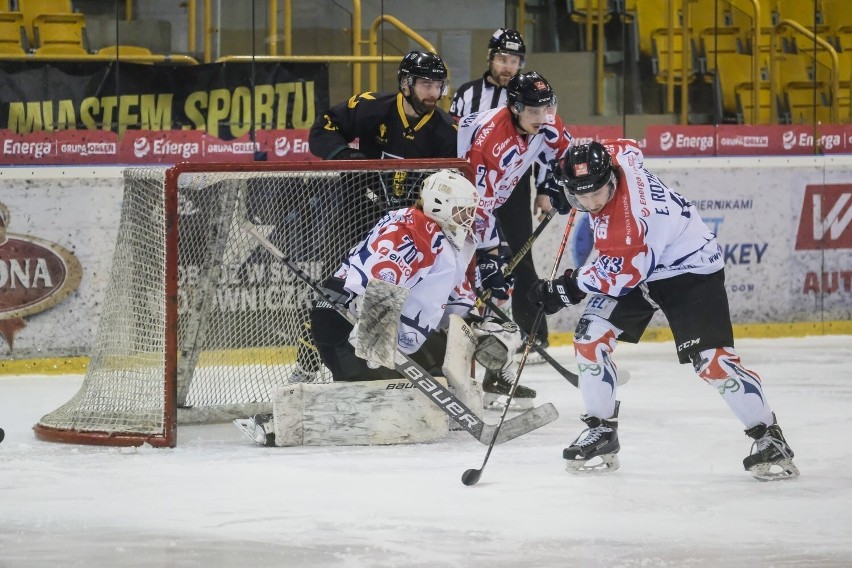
507	41
423	65
529	89
586	168
450	200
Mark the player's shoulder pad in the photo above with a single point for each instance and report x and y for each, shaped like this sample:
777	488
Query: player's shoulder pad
625	151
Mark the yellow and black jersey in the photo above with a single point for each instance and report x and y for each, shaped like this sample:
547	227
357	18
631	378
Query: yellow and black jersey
378	122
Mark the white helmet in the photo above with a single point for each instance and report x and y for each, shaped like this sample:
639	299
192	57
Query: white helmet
450	200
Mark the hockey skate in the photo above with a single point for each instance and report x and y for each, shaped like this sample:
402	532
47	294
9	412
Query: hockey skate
258	428
596	448
771	457
496	386
302	375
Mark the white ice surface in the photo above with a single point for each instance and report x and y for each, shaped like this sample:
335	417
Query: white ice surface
681	497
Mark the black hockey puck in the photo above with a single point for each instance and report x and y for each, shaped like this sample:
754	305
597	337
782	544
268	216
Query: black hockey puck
2	434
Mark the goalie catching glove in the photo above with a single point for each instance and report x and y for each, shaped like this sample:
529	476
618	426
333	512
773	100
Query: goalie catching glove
553	295
491	275
496	343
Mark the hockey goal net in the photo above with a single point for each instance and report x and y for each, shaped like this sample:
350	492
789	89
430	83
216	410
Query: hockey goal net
199	322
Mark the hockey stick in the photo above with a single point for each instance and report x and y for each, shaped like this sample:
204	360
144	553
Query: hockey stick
471	476
448	402
622	378
519	256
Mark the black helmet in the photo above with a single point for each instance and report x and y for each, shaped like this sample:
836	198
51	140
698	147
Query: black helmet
586	168
422	64
506	41
529	89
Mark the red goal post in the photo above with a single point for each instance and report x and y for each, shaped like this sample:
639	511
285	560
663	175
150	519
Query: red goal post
198	322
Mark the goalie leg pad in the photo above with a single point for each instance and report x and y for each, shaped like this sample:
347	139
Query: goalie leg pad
458	364
356	413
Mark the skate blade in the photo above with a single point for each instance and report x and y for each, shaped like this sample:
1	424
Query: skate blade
497	402
254	432
776	471
598	464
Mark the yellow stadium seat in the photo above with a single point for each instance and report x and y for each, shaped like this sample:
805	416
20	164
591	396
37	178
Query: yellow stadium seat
650	17
804	94
804	12
844	80
60	49
838	19
124	50
713	32
662	65
742	17
13	38
733	76
63	29
32	8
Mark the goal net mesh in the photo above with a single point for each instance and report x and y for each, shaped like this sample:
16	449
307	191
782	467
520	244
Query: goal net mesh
242	318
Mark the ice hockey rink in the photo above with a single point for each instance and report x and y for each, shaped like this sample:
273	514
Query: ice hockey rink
681	497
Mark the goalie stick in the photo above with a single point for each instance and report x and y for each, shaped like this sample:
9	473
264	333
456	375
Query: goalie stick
408	368
471	476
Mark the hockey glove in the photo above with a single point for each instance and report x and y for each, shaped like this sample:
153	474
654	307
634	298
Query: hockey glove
496	343
553	295
556	194
554	191
491	275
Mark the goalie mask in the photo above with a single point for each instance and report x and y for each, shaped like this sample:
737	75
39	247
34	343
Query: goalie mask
450	200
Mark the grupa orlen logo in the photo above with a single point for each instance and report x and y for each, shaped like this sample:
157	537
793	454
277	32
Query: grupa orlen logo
282	146
141	147
789	140
666	141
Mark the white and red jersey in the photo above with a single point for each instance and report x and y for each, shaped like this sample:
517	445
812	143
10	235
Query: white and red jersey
500	156
408	249
646	232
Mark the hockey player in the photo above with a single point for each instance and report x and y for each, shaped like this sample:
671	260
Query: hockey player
506	52
426	248
501	145
406	124
654	252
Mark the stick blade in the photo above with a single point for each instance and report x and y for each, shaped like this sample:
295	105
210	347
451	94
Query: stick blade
471	476
521	424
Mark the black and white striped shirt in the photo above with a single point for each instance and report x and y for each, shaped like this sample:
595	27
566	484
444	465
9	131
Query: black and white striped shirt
476	96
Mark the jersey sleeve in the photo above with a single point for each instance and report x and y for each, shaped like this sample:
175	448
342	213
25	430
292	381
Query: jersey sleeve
338	126
558	142
457	106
